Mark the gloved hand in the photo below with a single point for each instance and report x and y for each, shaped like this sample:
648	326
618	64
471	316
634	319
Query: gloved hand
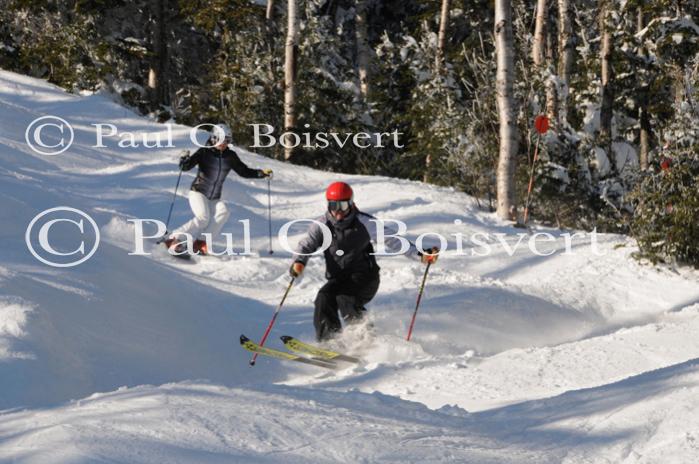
430	256
267	173
184	159
296	269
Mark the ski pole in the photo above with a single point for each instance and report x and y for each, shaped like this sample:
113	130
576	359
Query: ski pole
419	297
174	197
269	212
274	318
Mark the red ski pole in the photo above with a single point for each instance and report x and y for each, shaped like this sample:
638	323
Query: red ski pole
419	297
274	318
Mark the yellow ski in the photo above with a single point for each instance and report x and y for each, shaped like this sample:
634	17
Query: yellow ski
297	346
249	345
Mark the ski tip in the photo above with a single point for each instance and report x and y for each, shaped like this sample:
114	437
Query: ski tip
243	339
286	338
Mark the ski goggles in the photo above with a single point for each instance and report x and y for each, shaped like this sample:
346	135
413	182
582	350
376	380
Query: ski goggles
343	205
215	142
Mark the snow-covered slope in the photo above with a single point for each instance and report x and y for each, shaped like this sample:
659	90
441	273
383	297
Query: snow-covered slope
503	335
650	418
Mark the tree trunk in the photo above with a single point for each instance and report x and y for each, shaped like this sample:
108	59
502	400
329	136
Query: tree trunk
153	83
157	72
644	136
539	34
504	43
606	48
442	38
438	66
271	30
290	74
679	85
551	89
543	56
269	15
363	53
644	139
566	49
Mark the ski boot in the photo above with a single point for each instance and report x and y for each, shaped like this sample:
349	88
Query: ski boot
200	247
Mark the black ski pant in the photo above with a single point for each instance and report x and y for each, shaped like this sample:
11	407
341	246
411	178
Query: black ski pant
348	295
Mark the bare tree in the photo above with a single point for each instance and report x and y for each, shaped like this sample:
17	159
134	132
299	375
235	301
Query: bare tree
606	48
442	38
363	53
290	72
504	44
566	49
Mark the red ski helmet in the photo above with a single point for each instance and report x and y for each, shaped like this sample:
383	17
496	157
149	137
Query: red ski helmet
339	191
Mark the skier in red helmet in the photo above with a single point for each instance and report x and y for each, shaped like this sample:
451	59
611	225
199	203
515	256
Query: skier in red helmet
351	268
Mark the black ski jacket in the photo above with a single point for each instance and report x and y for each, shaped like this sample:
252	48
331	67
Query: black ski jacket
352	237
214	166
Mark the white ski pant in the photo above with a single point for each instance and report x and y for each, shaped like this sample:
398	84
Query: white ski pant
209	217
